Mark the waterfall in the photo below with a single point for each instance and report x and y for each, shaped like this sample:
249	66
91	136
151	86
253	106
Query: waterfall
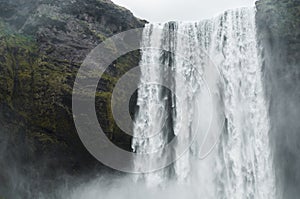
240	164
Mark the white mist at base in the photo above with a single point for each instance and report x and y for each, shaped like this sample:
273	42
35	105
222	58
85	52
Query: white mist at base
123	188
240	166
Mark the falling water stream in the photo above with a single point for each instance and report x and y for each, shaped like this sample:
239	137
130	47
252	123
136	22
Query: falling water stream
240	165
230	159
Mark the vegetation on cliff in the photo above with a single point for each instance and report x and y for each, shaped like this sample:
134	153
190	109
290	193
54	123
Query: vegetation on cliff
43	43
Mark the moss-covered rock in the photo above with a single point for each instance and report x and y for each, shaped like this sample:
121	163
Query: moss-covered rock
42	45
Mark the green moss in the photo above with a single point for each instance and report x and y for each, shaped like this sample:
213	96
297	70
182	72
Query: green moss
44	138
32	85
17	57
99	35
39	88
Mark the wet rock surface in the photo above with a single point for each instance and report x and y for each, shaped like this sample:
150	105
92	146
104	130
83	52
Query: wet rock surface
43	44
278	23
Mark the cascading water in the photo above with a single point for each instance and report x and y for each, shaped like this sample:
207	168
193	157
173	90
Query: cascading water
240	165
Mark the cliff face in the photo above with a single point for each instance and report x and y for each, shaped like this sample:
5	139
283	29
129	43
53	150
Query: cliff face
43	43
278	24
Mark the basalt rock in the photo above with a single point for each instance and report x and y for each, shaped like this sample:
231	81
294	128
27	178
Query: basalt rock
43	44
278	23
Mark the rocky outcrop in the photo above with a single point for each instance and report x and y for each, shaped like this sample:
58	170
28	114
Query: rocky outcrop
43	43
278	23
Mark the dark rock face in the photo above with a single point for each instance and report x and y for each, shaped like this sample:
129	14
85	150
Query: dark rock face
43	43
68	30
278	24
